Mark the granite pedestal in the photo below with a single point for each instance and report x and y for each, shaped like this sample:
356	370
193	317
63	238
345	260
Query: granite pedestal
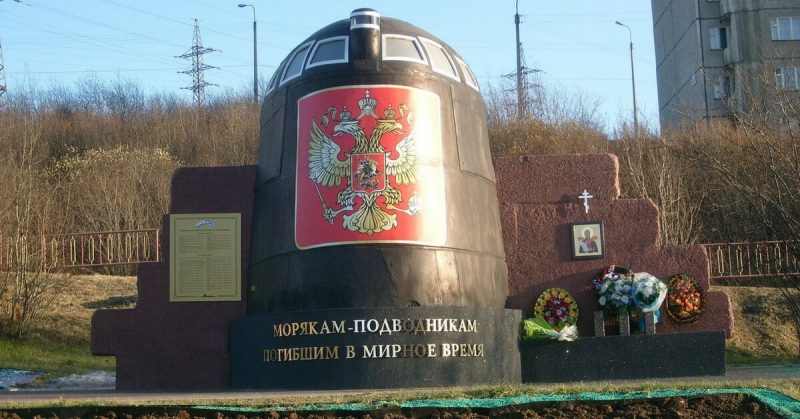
689	354
375	348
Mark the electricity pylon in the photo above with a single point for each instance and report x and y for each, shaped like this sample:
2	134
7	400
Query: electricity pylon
195	54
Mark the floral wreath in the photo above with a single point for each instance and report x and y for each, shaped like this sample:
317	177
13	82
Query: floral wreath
685	299
557	307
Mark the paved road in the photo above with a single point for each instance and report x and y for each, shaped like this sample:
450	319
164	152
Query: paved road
732	375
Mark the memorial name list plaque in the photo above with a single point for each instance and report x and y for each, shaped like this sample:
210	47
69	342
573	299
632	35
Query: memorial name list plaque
205	257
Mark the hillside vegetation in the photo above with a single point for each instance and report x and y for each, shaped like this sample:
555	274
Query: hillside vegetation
99	156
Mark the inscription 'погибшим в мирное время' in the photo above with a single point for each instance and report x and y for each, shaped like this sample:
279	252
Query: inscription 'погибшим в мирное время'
381	327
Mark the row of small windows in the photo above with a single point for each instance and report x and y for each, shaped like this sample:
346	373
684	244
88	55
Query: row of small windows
328	51
782	28
395	48
785	28
408	48
786	78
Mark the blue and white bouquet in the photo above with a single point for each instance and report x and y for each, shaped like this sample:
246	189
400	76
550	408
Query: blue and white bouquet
614	293
618	289
648	292
613	289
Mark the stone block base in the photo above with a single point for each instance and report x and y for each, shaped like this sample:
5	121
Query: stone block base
375	348
624	357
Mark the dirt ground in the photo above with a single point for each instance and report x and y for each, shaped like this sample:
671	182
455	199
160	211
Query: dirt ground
720	406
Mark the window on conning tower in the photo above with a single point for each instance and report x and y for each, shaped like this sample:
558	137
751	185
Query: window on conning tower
329	51
295	66
440	59
402	48
469	78
274	80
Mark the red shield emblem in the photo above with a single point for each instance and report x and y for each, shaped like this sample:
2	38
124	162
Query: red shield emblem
369	167
368	172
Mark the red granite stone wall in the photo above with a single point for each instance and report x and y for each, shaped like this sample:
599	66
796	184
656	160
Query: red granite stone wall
166	345
159	344
538	198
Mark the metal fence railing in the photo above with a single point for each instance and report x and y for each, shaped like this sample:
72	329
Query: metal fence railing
752	260
740	260
79	250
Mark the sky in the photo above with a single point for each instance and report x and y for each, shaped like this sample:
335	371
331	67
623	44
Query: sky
574	44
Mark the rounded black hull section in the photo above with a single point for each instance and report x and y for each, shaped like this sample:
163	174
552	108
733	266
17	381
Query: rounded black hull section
327	234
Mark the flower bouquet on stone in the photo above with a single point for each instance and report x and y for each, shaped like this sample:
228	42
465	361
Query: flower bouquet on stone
619	290
613	289
648	293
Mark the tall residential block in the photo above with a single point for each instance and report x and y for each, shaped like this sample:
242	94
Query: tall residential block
715	58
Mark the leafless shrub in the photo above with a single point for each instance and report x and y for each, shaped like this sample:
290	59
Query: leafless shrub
111	150
26	207
752	169
555	121
651	170
114	189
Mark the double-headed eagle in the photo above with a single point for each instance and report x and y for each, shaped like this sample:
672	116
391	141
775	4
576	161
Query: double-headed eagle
368	177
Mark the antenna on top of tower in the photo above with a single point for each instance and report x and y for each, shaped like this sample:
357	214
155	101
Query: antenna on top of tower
195	54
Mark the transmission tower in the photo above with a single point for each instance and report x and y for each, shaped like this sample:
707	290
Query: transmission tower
524	85
3	86
195	54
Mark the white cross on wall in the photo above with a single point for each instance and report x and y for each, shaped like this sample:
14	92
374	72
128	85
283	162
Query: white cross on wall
585	197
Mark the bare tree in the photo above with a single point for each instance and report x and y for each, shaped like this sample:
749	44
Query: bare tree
652	171
753	168
26	211
555	121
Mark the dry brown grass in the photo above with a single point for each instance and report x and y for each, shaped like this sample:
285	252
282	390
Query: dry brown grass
70	315
762	323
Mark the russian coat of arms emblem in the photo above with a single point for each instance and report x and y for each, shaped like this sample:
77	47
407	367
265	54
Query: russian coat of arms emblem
369	167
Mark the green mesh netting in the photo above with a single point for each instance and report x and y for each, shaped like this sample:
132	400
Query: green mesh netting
779	402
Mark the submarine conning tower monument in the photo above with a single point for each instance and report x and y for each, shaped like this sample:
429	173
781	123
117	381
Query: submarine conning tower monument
376	255
366	250
375	185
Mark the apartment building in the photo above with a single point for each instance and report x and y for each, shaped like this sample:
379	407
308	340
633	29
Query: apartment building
715	57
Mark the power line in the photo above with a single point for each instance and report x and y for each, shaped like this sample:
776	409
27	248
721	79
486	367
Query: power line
96	23
121	43
129	70
98	40
195	53
110	46
283	27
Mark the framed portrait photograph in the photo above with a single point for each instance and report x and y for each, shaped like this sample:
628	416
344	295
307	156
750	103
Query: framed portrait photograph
587	240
